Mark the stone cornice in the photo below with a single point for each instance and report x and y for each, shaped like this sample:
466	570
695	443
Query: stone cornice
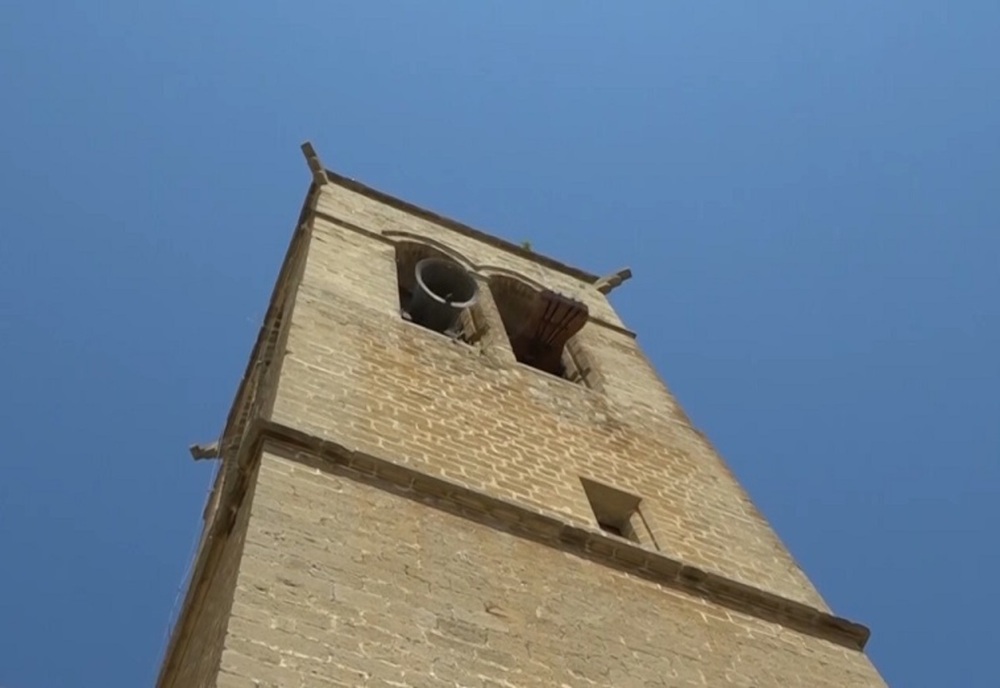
523	521
458	227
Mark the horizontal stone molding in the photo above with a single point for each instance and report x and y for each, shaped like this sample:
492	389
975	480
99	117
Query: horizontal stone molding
523	521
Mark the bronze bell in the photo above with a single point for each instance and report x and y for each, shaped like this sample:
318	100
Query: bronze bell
444	288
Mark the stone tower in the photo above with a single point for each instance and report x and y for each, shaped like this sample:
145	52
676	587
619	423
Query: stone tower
511	498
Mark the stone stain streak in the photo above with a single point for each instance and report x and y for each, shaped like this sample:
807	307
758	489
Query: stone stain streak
464	551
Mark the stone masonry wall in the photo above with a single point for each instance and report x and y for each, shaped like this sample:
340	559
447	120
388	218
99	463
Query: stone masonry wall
194	661
356	373
345	583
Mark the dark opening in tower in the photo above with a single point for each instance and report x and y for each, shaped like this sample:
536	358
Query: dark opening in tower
616	512
541	325
436	292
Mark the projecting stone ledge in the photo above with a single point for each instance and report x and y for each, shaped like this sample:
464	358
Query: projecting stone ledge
523	521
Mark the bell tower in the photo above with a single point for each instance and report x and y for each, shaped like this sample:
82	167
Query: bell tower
450	464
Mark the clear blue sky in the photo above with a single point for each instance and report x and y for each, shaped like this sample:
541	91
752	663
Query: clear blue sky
808	193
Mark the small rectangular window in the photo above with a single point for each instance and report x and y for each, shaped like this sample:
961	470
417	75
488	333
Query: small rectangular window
617	512
613	529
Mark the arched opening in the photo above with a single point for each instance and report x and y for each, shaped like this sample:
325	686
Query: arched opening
541	326
436	292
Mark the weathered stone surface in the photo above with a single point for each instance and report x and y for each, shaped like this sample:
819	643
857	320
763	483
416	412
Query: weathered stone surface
356	373
417	595
194	657
453	544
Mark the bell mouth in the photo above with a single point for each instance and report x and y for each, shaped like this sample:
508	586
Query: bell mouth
446	282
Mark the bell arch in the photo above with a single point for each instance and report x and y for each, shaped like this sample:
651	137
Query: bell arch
541	325
437	289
